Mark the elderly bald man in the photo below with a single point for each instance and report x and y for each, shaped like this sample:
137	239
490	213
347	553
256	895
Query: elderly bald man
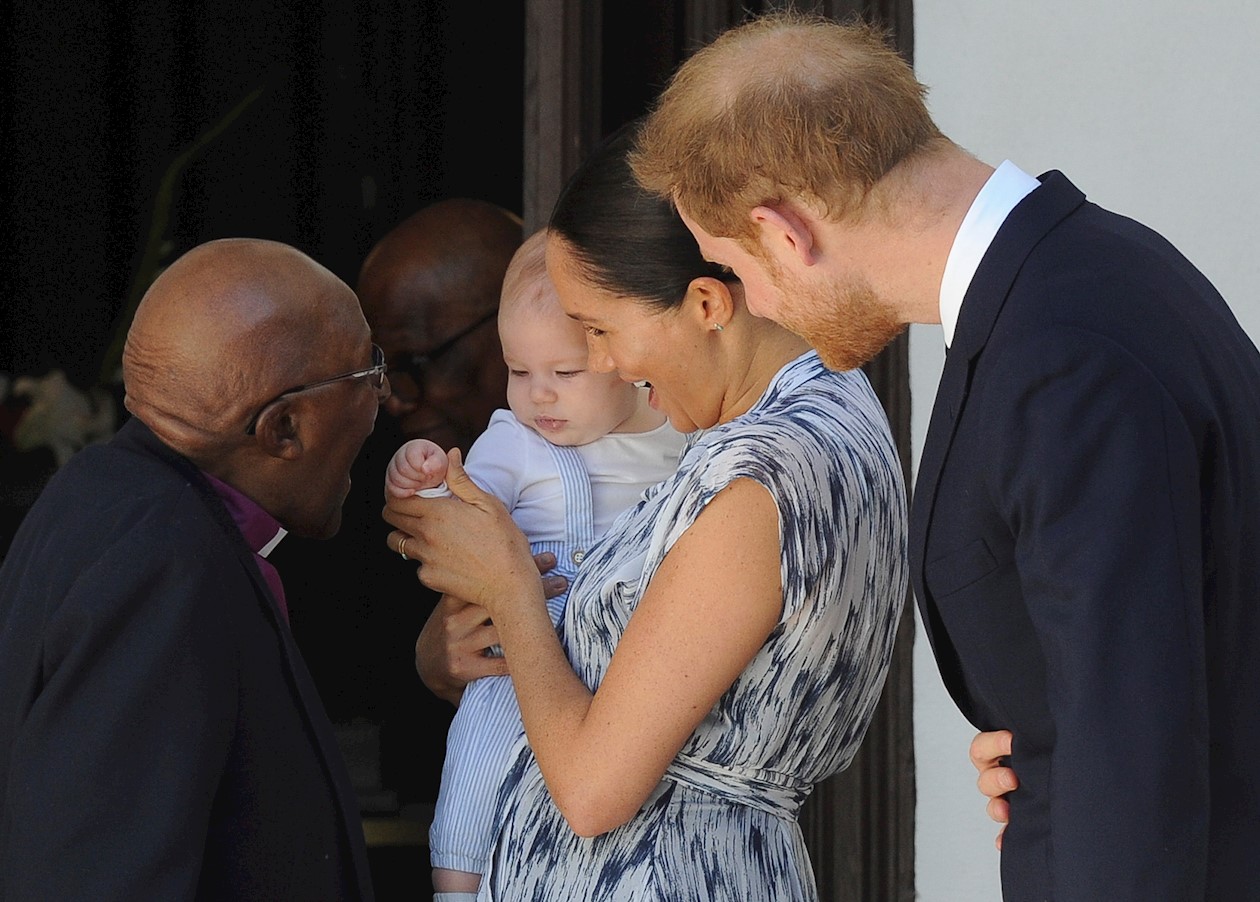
160	737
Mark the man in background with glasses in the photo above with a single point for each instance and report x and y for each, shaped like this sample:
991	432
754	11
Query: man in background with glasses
430	291
160	736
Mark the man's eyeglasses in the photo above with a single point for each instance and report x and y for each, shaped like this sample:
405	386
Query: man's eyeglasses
417	366
373	375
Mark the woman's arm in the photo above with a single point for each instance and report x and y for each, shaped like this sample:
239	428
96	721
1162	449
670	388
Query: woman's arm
603	754
708	610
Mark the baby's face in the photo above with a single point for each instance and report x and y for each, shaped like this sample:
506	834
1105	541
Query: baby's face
549	387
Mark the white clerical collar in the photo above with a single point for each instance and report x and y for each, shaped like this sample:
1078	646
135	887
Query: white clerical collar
1005	188
281	532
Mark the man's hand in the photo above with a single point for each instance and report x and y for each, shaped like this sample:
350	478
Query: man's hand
988	756
450	650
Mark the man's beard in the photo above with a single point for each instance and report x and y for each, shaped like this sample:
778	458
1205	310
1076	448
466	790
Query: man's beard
846	323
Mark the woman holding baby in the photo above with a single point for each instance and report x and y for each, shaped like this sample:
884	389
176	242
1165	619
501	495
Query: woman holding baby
724	645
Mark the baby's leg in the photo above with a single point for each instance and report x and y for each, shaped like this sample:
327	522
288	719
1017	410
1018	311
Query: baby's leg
453	896
454	884
484	739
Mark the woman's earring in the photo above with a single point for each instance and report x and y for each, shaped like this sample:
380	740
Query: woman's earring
717	327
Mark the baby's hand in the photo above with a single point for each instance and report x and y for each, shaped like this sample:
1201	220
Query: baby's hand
418	466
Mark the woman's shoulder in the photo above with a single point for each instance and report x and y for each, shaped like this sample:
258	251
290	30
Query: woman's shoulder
807	382
814	433
806	407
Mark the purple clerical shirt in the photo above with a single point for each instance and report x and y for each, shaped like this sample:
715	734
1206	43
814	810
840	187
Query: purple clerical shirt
262	533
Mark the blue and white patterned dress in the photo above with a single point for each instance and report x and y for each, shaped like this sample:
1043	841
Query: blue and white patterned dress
722	824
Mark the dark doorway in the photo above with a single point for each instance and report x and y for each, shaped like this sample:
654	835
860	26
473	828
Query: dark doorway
133	132
320	125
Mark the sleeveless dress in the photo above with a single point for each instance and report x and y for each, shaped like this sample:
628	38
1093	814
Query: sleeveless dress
722	823
522	469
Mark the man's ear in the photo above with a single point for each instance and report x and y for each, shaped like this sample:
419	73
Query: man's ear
784	230
277	431
710	299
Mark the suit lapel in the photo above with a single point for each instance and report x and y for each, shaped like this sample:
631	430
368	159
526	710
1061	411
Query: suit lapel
1031	220
136	435
307	695
313	712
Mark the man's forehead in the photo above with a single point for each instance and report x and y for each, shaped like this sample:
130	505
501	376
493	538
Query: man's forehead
419	289
419	328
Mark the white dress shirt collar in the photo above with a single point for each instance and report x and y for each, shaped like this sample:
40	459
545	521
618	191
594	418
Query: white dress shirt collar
1005	188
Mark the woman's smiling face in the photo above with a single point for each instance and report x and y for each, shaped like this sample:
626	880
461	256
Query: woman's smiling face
666	348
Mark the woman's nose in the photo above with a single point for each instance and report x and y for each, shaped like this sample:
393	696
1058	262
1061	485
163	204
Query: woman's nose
597	359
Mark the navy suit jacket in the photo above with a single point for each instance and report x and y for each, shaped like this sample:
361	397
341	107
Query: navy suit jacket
160	737
1085	545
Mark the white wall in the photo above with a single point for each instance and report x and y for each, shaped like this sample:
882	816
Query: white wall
1148	106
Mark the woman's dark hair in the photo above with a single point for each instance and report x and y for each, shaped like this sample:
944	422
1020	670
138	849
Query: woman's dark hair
626	240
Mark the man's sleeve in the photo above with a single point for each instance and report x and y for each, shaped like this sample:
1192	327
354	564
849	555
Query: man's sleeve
114	770
1097	476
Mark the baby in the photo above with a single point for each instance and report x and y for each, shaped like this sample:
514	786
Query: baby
575	450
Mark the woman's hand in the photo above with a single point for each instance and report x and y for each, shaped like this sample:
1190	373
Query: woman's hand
988	756
467	545
450	650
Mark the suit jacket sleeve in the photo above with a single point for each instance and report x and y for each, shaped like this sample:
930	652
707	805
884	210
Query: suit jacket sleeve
1096	474
113	772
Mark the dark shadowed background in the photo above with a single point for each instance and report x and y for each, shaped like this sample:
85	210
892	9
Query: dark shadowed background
133	131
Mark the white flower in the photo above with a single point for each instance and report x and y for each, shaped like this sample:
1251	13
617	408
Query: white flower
61	416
